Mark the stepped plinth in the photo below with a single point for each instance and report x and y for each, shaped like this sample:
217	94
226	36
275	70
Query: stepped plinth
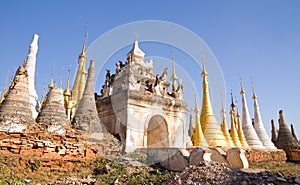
52	115
15	112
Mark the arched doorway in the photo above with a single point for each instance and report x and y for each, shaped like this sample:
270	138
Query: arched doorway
157	133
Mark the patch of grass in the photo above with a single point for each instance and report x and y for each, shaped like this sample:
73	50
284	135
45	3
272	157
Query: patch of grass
287	168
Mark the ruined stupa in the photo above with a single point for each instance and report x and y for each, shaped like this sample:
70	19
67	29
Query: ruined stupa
52	115
259	126
15	112
210	126
86	115
197	137
30	64
293	132
285	139
274	132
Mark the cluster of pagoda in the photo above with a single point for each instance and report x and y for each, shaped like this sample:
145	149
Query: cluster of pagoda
60	110
243	132
63	109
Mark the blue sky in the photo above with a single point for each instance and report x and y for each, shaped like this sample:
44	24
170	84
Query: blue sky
258	39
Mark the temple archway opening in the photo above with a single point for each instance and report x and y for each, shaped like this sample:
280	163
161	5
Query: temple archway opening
157	133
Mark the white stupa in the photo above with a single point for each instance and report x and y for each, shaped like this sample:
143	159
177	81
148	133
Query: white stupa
248	129
259	126
30	67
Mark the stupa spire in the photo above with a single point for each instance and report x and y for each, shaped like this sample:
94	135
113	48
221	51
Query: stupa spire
198	138
135	54
239	128
210	126
51	83
206	110
80	78
248	129
259	126
30	64
67	98
191	126
224	126
173	77
233	130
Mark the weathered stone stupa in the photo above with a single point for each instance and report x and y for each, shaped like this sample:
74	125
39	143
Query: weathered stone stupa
30	64
285	139
274	132
211	129
15	112
259	126
86	114
52	115
293	132
198	138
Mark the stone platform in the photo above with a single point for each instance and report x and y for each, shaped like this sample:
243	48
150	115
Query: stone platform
258	156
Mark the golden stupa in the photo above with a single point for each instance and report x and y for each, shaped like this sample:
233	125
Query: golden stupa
240	132
198	138
80	78
233	131
210	127
224	127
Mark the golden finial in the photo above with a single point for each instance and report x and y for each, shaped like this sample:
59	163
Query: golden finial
51	84
83	52
42	101
223	107
173	76
204	72
241	84
197	110
232	106
67	90
253	91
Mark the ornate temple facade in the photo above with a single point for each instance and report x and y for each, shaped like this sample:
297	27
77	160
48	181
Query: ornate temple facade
136	105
